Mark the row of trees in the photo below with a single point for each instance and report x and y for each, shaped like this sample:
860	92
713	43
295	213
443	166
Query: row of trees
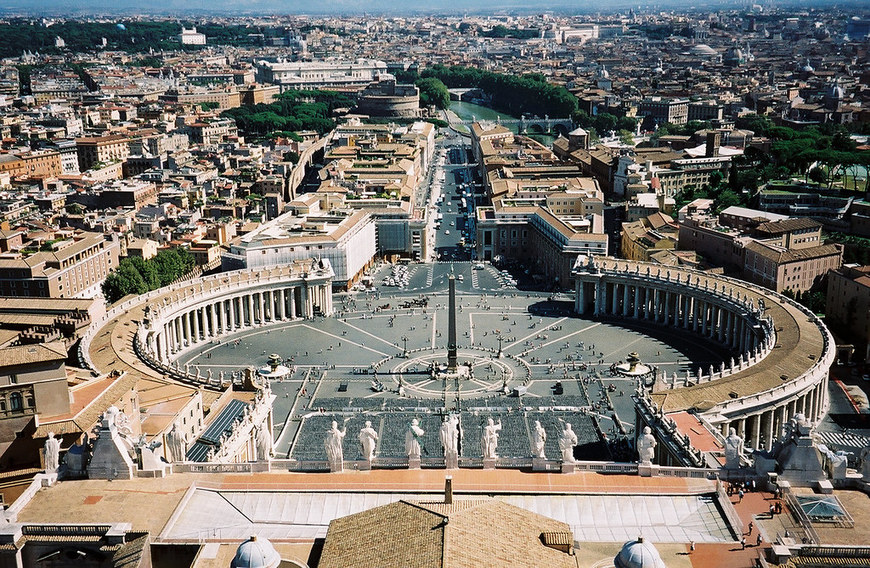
128	35
813	153
137	276
292	111
512	94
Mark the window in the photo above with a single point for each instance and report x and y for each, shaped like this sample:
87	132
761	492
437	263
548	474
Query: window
15	401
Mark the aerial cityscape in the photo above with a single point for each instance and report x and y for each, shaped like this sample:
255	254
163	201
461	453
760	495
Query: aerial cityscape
362	284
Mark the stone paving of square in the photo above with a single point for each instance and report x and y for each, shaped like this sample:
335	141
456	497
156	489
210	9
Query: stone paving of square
338	362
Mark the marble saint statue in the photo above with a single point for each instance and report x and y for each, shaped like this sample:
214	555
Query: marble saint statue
367	440
489	439
333	441
52	453
264	442
567	441
176	444
412	439
540	440
646	445
733	449
449	434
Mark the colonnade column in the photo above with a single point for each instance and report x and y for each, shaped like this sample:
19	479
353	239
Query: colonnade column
667	308
625	301
636	301
756	430
615	299
597	309
196	326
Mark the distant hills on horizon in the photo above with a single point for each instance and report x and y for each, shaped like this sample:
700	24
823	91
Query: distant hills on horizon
72	8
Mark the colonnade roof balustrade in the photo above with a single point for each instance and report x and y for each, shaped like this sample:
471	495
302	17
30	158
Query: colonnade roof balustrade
804	348
108	343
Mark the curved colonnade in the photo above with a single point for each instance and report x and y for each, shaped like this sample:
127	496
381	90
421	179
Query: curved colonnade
167	321
781	351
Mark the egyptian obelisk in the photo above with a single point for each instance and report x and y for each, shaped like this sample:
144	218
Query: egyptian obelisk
451	325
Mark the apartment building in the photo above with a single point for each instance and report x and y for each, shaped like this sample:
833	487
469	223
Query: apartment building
847	309
642	239
101	150
662	110
36	163
75	267
781	255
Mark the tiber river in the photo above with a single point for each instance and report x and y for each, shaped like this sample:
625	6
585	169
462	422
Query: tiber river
468	111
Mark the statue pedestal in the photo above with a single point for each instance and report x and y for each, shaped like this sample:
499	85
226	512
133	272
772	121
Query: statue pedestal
48	479
414	462
364	465
336	466
488	463
647	469
539	464
567	467
451	460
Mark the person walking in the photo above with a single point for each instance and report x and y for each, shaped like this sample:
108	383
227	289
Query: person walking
750	528
742	544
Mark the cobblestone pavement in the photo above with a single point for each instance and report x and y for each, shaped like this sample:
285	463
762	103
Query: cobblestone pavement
338	362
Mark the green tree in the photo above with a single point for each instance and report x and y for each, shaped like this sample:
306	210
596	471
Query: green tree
433	93
626	123
172	264
123	281
604	122
818	175
147	270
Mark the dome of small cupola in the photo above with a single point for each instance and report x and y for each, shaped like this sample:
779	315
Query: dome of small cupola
638	554
808	68
256	553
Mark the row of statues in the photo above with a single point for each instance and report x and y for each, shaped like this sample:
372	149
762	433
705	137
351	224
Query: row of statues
449	436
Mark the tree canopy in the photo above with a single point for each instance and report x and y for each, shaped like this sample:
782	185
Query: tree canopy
137	276
292	111
433	93
511	94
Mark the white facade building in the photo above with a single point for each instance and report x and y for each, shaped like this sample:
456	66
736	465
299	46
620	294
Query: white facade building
347	241
191	37
312	74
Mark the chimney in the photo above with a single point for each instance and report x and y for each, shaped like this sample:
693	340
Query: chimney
448	490
713	141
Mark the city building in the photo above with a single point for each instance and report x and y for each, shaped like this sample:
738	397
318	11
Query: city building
191	36
98	151
320	74
74	267
847	307
346	238
665	110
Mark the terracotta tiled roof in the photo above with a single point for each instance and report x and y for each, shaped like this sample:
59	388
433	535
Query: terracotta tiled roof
465	533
